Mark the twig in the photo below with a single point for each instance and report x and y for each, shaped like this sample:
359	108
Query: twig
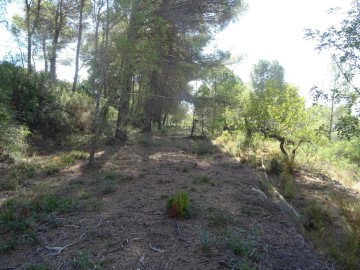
58	250
156	249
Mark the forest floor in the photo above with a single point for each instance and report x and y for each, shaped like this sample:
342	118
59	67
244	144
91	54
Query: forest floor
120	219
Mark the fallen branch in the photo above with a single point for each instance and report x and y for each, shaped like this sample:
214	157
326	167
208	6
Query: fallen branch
58	250
281	198
156	249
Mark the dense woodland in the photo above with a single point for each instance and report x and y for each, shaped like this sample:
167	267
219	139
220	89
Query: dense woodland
148	72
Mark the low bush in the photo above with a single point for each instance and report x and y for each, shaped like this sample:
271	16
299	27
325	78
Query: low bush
178	205
207	240
315	216
276	167
202	148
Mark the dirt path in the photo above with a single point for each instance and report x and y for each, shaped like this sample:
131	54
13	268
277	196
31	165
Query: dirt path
231	225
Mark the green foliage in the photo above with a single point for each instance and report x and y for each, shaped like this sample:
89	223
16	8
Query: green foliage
219	219
108	187
82	261
37	267
207	240
12	141
264	72
275	166
203	178
19	216
266	187
202	148
280	114
239	245
178	205
287	185
315	216
341	40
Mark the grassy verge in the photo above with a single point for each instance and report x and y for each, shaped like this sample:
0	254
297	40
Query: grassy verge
330	213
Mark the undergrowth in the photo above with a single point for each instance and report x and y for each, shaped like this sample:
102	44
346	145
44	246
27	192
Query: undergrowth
26	169
20	217
336	232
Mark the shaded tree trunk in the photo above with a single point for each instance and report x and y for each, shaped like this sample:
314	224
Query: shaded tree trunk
30	28
128	73
81	11
96	119
59	20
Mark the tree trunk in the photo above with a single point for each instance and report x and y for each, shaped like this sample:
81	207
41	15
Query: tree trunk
81	11
30	27
96	119
331	116
54	47
128	73
164	119
46	64
193	125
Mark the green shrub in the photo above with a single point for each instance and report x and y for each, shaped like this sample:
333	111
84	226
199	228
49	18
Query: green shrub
287	185
107	188
24	169
18	173
204	178
206	240
275	166
13	143
51	168
178	205
37	267
239	245
202	148
82	261
218	218
18	216
315	217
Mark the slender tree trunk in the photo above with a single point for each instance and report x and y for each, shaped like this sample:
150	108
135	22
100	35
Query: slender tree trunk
30	27
331	116
81	11
164	119
54	48
29	36
96	120
128	71
193	125
46	65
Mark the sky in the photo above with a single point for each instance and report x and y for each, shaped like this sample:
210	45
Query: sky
274	30
268	30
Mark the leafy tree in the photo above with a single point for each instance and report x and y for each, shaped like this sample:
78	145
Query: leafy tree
80	6
264	72
280	114
343	44
168	42
331	97
215	98
32	10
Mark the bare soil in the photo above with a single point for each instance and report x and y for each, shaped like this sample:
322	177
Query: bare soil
130	229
